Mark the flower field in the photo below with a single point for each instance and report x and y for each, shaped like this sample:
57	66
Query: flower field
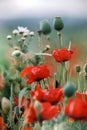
44	89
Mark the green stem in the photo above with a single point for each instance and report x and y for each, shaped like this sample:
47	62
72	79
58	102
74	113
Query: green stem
11	109
40	47
62	79
49	42
59	38
54	80
78	82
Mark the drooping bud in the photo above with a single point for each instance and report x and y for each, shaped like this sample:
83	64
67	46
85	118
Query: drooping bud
69	90
45	27
58	24
85	67
78	68
5	104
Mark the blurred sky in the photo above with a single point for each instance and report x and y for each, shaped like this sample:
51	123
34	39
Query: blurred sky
38	8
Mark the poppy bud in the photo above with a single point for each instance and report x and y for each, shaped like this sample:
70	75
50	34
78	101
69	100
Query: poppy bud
39	32
69	90
78	68
85	67
45	27
37	127
5	104
37	106
58	24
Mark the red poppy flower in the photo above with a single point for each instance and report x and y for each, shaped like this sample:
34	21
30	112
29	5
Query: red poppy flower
35	73
48	95
82	96
62	55
47	112
76	108
2	124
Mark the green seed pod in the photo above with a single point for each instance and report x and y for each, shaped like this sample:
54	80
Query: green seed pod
85	67
45	27
69	90
58	24
78	68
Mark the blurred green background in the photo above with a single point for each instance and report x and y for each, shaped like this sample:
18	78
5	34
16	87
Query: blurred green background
29	13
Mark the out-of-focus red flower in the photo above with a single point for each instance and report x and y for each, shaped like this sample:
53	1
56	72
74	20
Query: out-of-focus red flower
82	96
16	100
76	108
30	114
48	95
47	112
2	124
35	73
62	55
25	102
26	128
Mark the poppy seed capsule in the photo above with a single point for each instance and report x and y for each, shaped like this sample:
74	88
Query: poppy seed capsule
58	24
69	90
85	67
45	27
78	68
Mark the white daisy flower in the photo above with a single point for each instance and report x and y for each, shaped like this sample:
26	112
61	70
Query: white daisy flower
16	53
22	30
31	34
9	37
15	32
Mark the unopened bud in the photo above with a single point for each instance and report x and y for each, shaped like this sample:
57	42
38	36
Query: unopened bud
69	90
37	127
78	68
5	104
37	106
39	32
